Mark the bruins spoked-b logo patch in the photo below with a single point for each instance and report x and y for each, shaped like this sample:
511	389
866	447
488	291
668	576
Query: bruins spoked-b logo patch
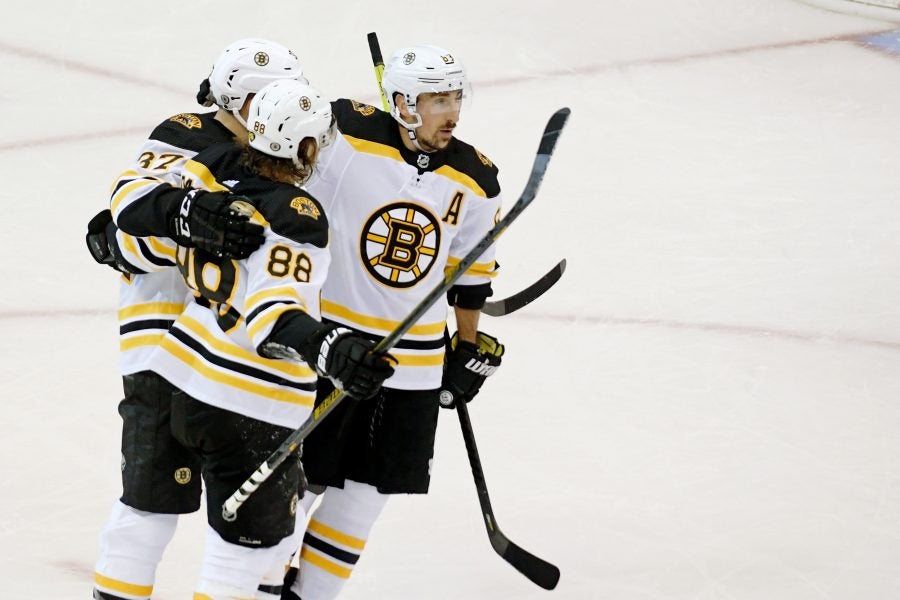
183	475
399	244
261	58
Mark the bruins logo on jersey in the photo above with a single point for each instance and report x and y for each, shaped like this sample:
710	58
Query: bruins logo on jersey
484	159
305	207
183	475
399	244
188	120
364	109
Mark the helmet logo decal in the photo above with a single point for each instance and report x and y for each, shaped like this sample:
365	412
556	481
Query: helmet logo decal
448	59
305	103
408	58
399	244
261	58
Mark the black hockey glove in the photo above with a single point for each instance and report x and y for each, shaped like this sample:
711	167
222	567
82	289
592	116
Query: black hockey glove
466	366
217	222
103	246
347	359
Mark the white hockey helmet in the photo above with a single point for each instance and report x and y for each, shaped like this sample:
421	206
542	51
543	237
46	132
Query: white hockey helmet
418	70
284	113
245	67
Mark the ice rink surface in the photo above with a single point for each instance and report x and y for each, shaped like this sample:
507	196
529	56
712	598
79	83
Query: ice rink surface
707	406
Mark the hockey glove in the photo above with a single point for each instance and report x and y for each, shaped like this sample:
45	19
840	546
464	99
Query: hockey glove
347	359
466	366
216	222
103	245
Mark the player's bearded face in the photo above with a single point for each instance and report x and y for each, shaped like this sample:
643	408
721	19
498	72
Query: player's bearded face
440	114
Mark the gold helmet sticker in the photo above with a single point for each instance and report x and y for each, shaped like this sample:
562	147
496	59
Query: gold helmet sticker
261	58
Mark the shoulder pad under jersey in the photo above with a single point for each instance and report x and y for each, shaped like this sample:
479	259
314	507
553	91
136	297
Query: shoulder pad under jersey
362	121
192	131
292	213
466	159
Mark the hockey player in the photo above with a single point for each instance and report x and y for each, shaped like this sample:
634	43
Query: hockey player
160	478
406	200
240	354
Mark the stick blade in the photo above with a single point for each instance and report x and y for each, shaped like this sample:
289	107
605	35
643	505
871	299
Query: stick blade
538	570
552	130
499	308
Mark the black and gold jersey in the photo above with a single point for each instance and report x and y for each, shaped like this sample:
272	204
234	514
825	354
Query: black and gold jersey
399	219
149	303
211	352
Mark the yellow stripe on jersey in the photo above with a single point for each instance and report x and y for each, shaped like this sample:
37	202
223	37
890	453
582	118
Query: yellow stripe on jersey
419	360
151	308
272	314
356	318
204	176
460	177
477	269
374	148
336	536
323	563
127	189
289	368
122	586
139	341
160	249
278	293
124	175
196	363
199	596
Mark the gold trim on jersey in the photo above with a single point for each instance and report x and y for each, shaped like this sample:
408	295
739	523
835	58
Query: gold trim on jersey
199	364
151	308
342	312
460	177
258	298
273	313
160	249
126	191
370	147
123	175
122	586
204	176
476	270
230	348
140	341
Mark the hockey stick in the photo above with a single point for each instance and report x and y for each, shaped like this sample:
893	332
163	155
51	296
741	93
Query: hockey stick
293	441
499	308
537	570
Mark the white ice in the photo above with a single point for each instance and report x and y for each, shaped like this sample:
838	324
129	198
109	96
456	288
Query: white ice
707	406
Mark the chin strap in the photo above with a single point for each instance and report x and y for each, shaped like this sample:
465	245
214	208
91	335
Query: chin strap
410	128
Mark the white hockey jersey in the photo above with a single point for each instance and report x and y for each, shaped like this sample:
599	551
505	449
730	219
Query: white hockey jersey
211	351
150	303
399	220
